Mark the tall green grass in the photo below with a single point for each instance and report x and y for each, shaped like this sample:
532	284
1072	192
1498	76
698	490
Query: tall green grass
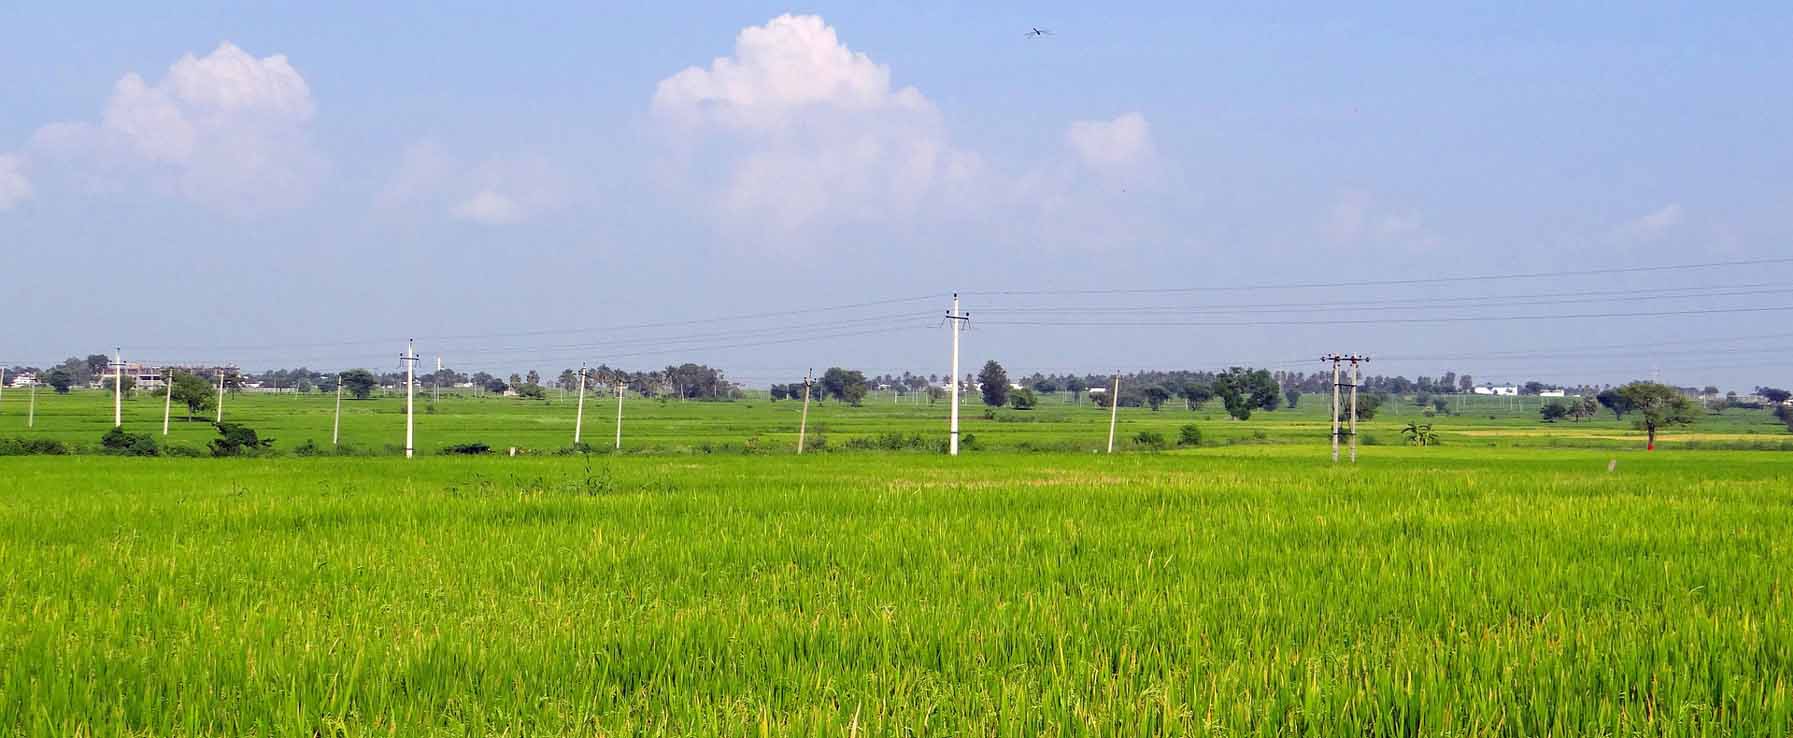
1248	591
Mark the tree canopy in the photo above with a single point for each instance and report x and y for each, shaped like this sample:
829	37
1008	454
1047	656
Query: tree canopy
1244	390
359	382
993	383
1658	406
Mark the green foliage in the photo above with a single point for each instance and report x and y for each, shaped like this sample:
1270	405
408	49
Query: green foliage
1152	440
1189	435
474	448
1419	434
33	447
236	439
358	383
193	392
1659	406
1615	401
993	384
532	392
1023	399
1155	396
1291	397
119	443
1197	394
845	385
1553	411
1245	390
60	380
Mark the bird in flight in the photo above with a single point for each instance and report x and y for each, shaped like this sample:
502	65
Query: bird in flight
1038	32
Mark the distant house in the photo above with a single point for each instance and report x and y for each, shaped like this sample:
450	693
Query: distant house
23	380
1098	390
1505	390
1558	392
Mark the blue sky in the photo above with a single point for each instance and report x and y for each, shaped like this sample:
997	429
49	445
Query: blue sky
298	184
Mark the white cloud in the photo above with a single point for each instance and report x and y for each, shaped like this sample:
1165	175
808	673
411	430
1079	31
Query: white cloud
808	132
500	190
14	187
226	130
490	208
1356	218
1107	144
1653	224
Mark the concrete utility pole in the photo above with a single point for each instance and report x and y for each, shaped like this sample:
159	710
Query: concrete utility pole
2	382
436	382
803	425
619	414
579	417
410	359
336	424
167	397
220	395
118	387
31	415
958	320
1337	360
1114	410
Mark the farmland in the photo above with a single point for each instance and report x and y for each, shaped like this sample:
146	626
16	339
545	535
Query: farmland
758	425
1487	586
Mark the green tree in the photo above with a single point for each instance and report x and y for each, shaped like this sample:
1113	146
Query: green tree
1658	406
1244	390
60	380
1774	395
1553	411
1197	394
235	439
359	382
1022	399
845	385
993	382
1292	396
1155	396
193	391
1615	401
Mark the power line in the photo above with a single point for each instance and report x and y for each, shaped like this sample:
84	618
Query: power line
1379	321
1392	282
1672	293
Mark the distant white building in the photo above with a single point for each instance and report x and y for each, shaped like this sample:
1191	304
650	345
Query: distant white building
1552	393
1098	390
23	380
1502	390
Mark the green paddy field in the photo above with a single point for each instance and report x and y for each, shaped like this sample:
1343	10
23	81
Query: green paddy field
1519	580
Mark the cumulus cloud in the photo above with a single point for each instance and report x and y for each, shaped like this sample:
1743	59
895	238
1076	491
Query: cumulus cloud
1107	144
14	187
808	132
499	190
227	130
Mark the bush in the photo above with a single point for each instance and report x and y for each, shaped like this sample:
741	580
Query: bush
182	452
1022	399
1189	435
532	392
32	447
236	439
466	449
118	442
310	448
1150	439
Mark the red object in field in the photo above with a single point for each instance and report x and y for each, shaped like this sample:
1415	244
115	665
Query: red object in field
1651	446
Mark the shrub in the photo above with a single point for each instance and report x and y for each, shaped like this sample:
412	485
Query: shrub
236	439
310	448
117	441
1150	439
1189	435
180	451
466	449
32	447
1022	399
